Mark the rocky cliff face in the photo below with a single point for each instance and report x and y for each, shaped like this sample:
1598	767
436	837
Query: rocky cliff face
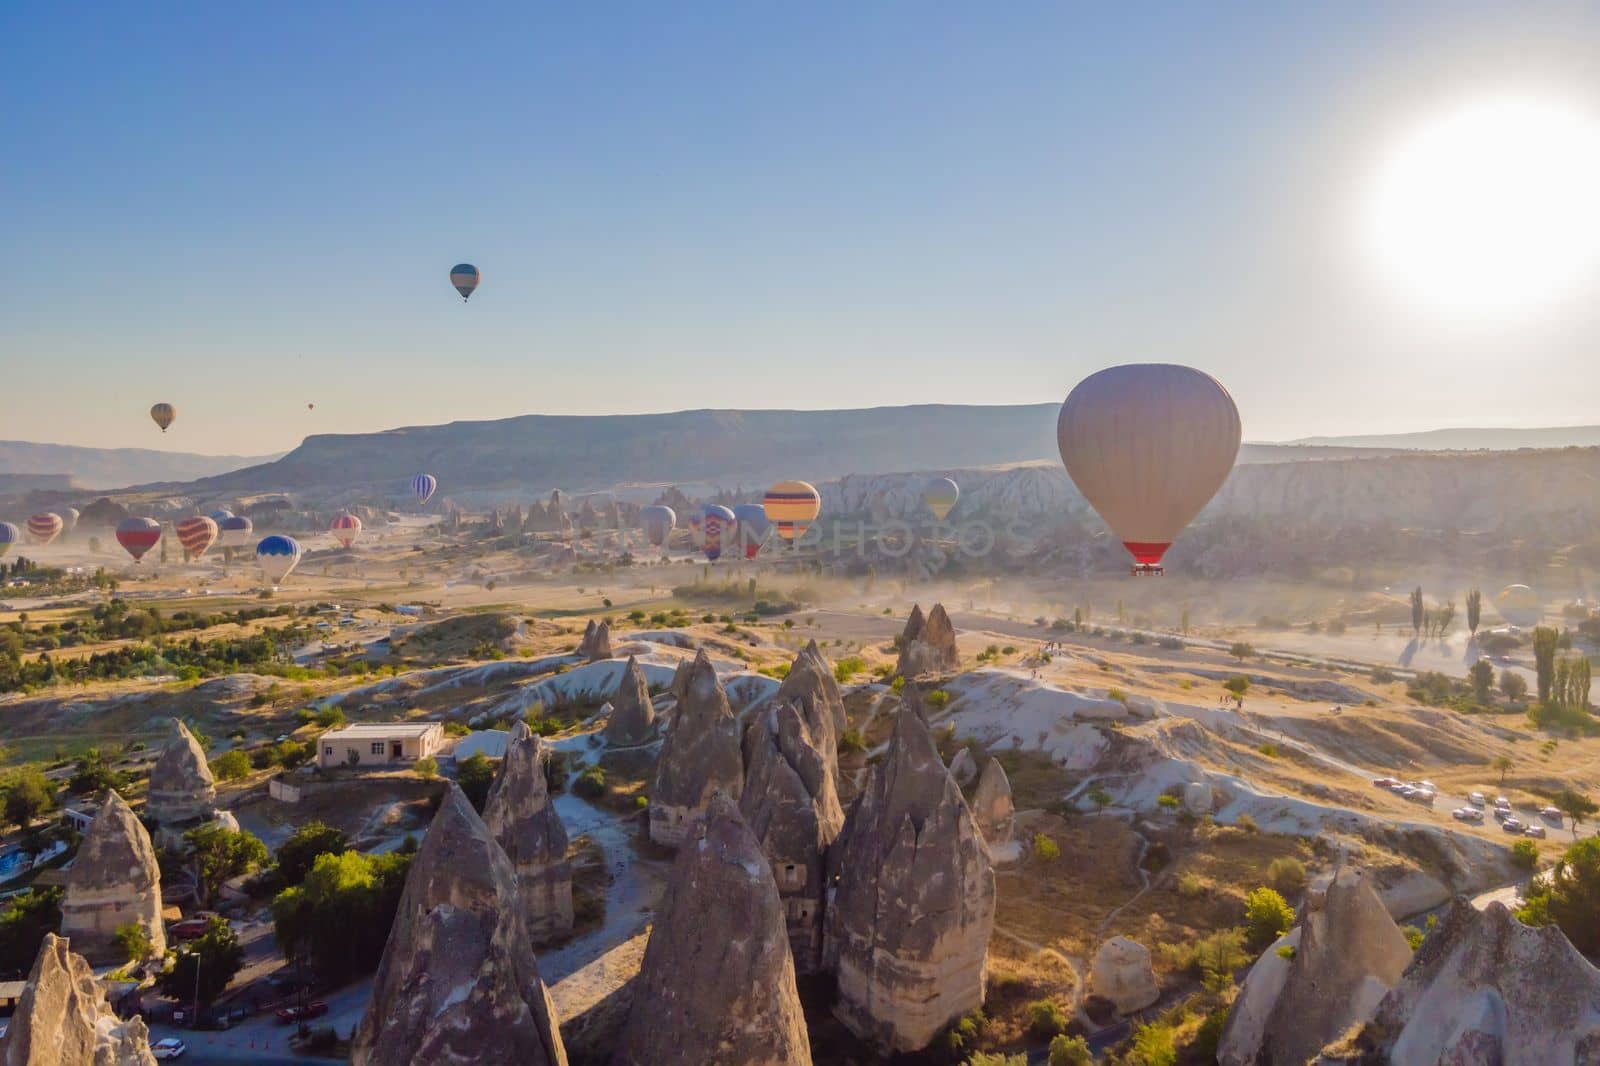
928	645
114	881
63	1018
633	717
699	756
524	823
1348	953
182	788
458	983
1486	989
596	642
717	987
907	924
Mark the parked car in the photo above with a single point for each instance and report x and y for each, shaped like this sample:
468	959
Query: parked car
1501	803
1467	814
1511	825
1384	782
314	1009
1477	799
1536	831
1553	814
170	1048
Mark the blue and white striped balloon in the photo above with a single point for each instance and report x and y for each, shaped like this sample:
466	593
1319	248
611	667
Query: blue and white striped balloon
424	485
278	555
9	535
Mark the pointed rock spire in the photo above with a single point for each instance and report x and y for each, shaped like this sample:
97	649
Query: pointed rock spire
458	982
699	756
596	642
928	645
114	881
717	986
992	805
811	686
182	788
63	1019
524	822
633	717
907	925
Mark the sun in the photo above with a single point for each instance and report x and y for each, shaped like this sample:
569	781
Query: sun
1492	208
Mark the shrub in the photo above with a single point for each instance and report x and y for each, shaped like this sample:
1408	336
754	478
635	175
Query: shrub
897	685
848	667
1070	1051
133	941
1247	823
1116	694
1525	854
641	802
427	766
1414	936
1167	800
1382	675
1209	1036
1190	886
1286	874
230	766
1045	849
1267	916
937	698
475	775
1269	750
1046	1019
1286	951
591	784
330	718
1153	1045
852	741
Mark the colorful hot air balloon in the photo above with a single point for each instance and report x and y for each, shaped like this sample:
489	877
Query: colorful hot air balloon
9	535
1519	605
424	485
1148	445
221	515
44	527
791	507
70	516
753	527
465	277
658	520
717	526
236	531
697	527
197	533
941	495
163	414
138	535
278	555
345	529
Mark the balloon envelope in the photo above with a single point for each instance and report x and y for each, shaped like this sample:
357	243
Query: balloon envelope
9	535
424	485
941	496
717	526
753	527
71	516
345	529
45	527
697	526
163	414
1148	445
138	535
221	515
197	534
465	277
658	521
278	555
236	531
791	507
1519	605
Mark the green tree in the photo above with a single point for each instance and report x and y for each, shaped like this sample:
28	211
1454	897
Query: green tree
1287	874
203	968
1070	1051
1482	677
23	925
300	852
1045	849
1513	685
1569	897
1237	686
1267	916
220	853
1100	798
1575	805
28	795
230	765
1417	610
1545	640
338	918
1046	1019
1524	854
475	775
1240	650
1153	1045
1504	764
427	766
1474	610
133	940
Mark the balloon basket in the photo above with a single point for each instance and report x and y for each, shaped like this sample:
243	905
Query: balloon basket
1147	570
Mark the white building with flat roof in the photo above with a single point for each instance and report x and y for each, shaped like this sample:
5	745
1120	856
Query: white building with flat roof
379	744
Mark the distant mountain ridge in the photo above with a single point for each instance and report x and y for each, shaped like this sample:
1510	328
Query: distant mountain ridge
105	468
1467	439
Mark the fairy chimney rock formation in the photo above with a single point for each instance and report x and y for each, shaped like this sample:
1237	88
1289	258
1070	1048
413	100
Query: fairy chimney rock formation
911	906
181	786
633	717
63	1019
791	802
699	756
596	642
114	881
992	805
1484	988
1347	953
928	645
524	822
810	684
458	982
1122	973
717	985
963	767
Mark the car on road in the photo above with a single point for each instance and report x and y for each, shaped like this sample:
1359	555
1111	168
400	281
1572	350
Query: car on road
1511	825
1551	814
1384	782
314	1009
1467	814
1501	803
1477	799
1536	831
170	1048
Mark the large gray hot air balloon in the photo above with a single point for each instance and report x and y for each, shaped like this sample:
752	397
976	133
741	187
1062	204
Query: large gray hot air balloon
1148	445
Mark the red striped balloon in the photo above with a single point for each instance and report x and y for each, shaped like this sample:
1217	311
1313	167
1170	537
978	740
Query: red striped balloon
138	535
197	533
45	527
345	529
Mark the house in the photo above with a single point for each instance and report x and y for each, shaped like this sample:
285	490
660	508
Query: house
380	744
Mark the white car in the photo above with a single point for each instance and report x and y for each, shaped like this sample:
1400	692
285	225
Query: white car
1477	799
1552	813
1501	803
1534	831
1467	814
1512	825
170	1048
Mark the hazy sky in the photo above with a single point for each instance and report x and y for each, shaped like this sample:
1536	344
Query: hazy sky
243	209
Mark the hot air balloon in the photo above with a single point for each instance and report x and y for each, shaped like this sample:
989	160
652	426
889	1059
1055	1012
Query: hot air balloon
941	495
1519	605
163	414
658	520
753	527
311	407
197	533
465	277
424	485
138	535
44	527
1148	445
791	507
717	526
9	535
236	531
697	527
278	555
345	529
221	515
70	516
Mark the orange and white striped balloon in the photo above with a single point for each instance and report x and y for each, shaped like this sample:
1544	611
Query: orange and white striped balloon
197	534
791	507
45	527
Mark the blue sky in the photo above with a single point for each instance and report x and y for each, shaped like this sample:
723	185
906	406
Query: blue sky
245	211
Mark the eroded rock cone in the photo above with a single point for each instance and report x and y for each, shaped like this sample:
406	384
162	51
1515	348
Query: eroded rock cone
182	788
633	717
1348	952
458	983
810	684
907	927
524	823
992	805
596	642
1123	975
1484	988
717	986
699	756
791	802
928	645
114	881
63	1019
